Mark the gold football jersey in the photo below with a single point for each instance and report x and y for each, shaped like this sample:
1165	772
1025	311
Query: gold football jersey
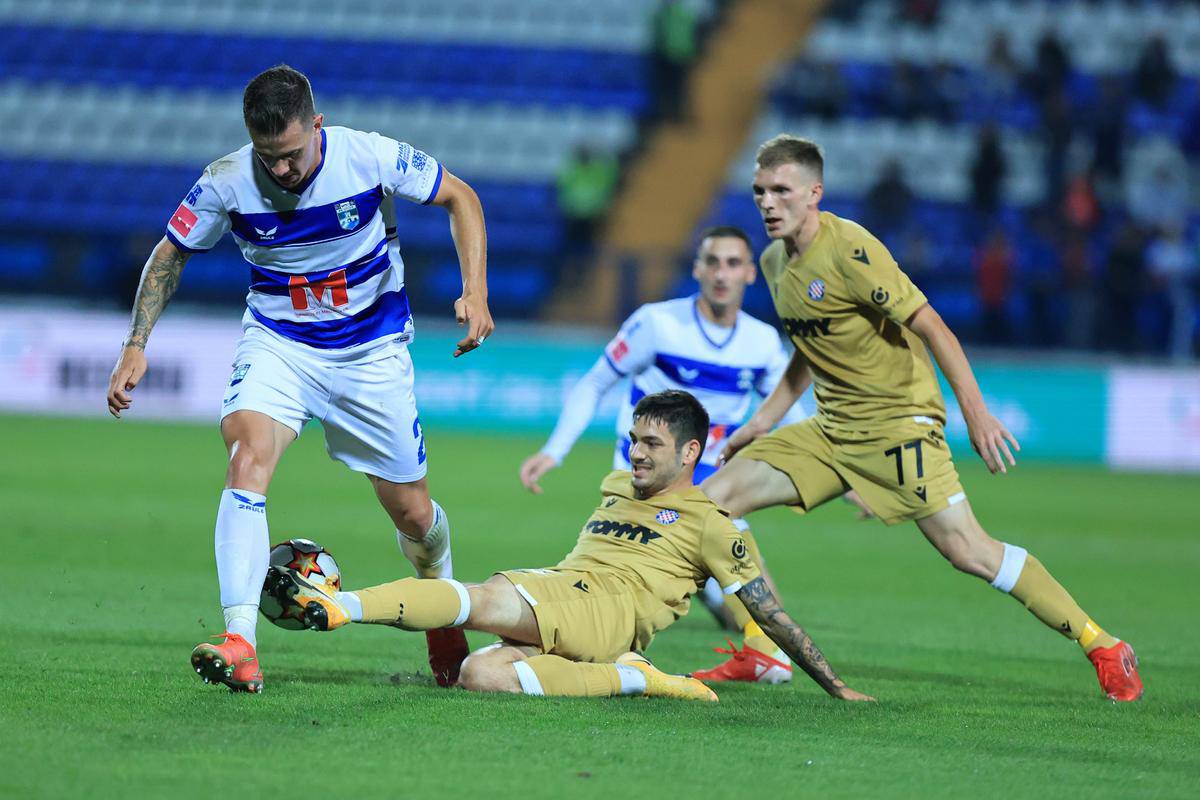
664	546
843	303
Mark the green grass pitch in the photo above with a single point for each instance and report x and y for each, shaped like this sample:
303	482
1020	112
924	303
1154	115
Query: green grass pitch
109	582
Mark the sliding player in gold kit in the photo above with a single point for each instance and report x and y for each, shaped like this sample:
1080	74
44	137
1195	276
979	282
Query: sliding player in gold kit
577	629
861	329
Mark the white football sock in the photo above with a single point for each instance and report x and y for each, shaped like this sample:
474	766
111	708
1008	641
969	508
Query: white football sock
351	603
633	680
243	548
430	556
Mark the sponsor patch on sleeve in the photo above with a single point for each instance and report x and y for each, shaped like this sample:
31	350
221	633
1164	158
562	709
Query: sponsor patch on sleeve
183	220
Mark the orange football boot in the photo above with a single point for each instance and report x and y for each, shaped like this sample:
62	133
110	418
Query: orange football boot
233	663
1116	667
447	651
747	665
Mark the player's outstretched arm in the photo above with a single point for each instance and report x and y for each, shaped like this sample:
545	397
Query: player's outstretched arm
988	435
764	606
160	279
470	242
785	394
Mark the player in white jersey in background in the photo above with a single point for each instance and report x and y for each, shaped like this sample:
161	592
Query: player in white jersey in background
324	335
706	345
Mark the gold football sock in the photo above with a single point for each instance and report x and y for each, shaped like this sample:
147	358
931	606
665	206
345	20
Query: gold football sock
562	678
1045	597
416	604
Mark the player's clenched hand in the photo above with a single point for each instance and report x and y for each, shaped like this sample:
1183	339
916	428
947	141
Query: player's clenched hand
740	438
991	439
534	468
846	693
130	368
472	311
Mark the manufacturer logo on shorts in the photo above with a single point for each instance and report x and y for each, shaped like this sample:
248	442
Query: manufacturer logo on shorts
668	516
816	289
739	549
347	214
239	372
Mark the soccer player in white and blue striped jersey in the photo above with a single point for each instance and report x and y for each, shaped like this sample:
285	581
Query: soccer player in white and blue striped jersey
706	345
325	334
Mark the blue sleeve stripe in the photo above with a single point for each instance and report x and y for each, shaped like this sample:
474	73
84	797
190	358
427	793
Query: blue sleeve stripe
181	246
614	366
436	185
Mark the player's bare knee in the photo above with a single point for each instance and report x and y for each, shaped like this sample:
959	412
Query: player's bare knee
250	467
484	673
721	490
408	505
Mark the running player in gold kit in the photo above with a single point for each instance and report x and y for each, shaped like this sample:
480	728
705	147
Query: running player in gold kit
861	329
574	630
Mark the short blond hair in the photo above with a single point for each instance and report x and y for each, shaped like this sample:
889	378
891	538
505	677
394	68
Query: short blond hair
788	149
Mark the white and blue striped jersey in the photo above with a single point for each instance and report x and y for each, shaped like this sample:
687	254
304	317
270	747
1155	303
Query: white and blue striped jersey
324	268
669	345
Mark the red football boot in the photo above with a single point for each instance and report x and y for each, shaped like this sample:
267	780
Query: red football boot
447	651
748	665
1116	667
233	663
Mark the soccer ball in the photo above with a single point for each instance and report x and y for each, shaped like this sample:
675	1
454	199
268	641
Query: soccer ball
310	560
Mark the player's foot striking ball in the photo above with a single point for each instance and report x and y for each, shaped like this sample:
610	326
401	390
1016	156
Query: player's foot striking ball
231	662
301	598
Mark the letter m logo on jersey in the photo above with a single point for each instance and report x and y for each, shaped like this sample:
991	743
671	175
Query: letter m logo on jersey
299	288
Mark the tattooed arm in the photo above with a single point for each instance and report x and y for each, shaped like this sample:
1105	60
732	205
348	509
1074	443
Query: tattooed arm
160	279
764	606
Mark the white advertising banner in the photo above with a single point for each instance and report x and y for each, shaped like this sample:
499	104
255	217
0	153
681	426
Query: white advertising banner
59	362
1154	418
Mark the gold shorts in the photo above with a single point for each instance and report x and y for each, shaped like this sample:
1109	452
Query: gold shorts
902	470
582	616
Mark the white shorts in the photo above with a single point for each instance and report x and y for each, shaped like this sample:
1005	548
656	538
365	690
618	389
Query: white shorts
367	409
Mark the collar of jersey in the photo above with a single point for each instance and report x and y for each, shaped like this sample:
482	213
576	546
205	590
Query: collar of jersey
307	182
704	333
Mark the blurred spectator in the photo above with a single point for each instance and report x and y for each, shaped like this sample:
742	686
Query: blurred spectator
1041	271
907	96
1080	287
889	201
675	46
922	12
1051	67
987	171
809	87
1057	121
1001	73
1154	74
1123	290
1171	261
1108	136
1157	186
1081	208
993	272
585	190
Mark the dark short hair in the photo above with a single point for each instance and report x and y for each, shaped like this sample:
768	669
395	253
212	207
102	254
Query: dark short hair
680	412
275	97
726	231
788	149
